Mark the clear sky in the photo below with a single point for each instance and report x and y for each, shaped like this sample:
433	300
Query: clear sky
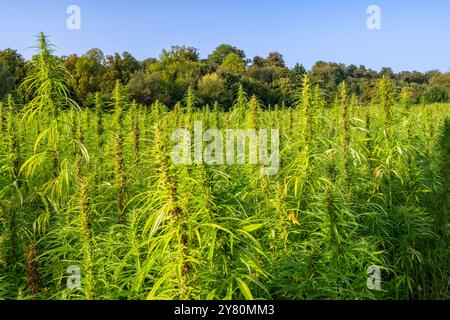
414	34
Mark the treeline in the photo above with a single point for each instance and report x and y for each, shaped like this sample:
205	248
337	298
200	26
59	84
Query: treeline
217	78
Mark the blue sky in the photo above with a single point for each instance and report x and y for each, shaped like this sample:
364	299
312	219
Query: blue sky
414	34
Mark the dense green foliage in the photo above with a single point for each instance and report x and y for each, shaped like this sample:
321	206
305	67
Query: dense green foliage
218	77
358	185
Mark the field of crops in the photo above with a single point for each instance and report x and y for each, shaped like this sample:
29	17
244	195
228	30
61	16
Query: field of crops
93	207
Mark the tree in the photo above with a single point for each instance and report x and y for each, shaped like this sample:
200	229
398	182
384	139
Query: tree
438	88
180	69
87	71
296	75
269	78
410	94
222	51
168	78
146	88
12	71
328	75
275	59
6	81
118	67
232	64
211	88
385	71
436	93
179	53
